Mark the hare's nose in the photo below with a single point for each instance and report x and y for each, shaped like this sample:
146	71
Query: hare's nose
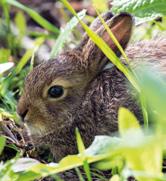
23	114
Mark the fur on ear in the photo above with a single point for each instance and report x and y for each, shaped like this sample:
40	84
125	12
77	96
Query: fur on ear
121	27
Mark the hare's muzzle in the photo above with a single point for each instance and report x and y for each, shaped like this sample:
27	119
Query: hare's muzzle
22	114
22	109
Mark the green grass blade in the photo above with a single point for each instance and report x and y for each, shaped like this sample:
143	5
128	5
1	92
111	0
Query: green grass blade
79	174
87	170
6	12
80	143
29	53
144	110
23	61
20	22
2	143
35	16
65	34
113	37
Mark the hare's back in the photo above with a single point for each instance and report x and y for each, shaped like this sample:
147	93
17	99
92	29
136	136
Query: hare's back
152	52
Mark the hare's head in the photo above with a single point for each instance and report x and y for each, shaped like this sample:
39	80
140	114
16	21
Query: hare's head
55	89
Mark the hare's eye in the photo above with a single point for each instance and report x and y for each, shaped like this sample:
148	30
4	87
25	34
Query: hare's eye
55	91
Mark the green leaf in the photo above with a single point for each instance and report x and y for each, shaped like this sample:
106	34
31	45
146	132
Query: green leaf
102	144
152	82
126	121
115	178
145	158
21	23
5	67
4	55
35	16
64	34
28	176
2	143
114	161
140	8
107	146
24	163
67	163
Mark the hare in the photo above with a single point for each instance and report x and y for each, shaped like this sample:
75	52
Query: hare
75	90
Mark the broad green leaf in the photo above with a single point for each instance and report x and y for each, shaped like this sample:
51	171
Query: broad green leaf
140	8
5	66
6	172
144	10
146	158
24	163
67	163
108	146
64	34
114	161
102	144
142	153
28	176
143	176
115	178
126	121
2	143
34	15
135	156
152	82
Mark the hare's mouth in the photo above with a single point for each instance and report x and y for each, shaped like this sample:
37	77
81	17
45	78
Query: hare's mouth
38	131
35	130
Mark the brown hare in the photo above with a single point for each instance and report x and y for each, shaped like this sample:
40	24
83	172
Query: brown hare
76	90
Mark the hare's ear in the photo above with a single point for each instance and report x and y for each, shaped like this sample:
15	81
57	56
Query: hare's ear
96	24
121	27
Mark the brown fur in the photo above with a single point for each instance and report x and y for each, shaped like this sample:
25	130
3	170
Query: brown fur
93	95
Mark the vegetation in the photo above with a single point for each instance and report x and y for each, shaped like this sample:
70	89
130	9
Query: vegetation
142	156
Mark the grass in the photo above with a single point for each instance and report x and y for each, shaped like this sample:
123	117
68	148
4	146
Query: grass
140	156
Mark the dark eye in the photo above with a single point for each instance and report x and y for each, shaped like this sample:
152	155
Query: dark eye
56	91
